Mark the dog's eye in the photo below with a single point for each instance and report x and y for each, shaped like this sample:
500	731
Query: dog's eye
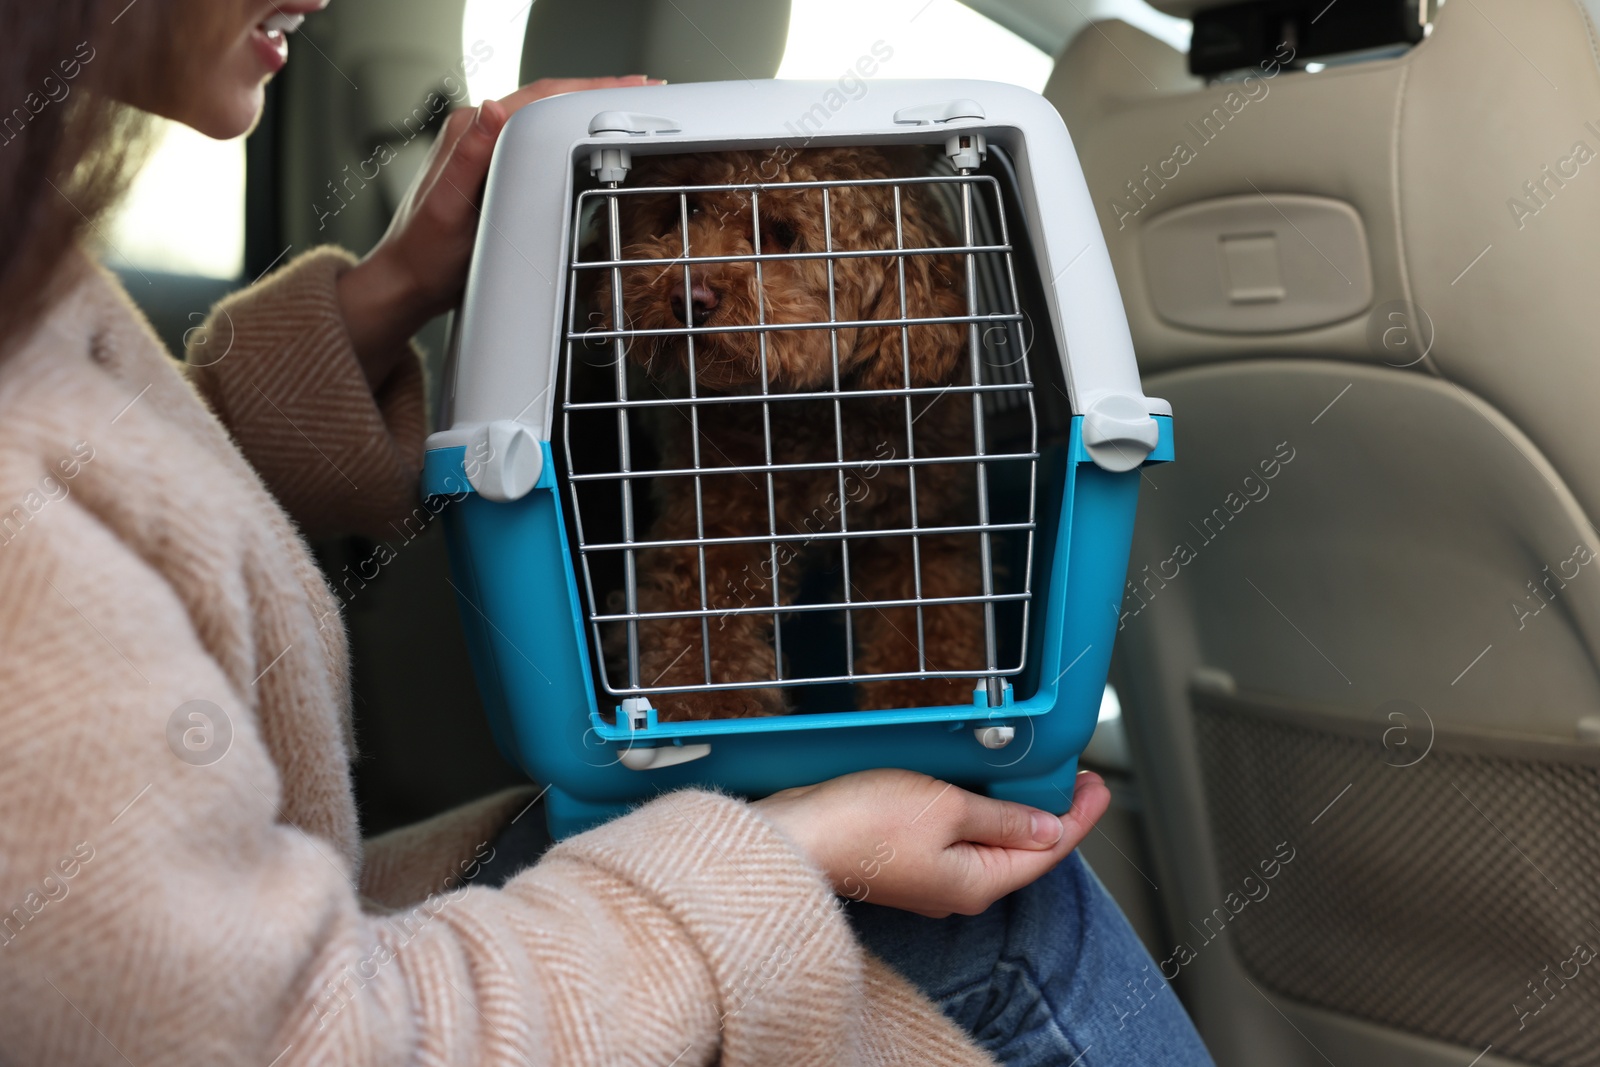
779	235
693	206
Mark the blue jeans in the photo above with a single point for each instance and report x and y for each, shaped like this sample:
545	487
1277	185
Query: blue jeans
1051	975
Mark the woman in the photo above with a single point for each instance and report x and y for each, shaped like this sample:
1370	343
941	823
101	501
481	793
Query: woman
173	898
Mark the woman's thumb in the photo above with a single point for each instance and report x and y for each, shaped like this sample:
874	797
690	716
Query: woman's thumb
987	821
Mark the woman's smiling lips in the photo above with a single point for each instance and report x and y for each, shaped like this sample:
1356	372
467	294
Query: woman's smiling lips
270	37
271	47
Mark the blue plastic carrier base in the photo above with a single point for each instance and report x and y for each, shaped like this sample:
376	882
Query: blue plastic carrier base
532	609
516	590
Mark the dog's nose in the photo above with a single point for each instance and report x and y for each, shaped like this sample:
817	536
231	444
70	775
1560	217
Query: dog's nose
703	298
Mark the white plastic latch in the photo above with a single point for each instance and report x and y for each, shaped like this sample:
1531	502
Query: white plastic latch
927	114
995	736
649	759
504	461
630	122
635	715
966	150
612	164
636	712
1119	433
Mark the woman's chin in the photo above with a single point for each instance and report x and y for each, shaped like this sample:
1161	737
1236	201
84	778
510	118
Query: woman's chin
226	116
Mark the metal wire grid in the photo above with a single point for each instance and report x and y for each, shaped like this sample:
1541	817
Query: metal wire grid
1014	389
1005	342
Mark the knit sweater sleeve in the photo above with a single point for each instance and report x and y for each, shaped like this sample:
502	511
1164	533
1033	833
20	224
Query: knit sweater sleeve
276	365
165	913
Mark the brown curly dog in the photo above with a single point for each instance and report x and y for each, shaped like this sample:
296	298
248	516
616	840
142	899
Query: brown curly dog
864	491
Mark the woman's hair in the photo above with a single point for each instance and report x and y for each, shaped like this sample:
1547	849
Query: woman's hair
68	147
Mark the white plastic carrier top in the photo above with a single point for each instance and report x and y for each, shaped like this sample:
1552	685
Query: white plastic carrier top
504	364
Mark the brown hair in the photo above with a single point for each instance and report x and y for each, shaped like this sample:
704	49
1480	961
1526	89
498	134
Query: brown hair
68	148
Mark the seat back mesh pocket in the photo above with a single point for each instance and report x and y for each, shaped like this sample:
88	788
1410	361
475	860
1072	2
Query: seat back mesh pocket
1450	887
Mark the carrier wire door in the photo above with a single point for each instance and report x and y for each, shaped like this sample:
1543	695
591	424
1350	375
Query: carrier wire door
999	380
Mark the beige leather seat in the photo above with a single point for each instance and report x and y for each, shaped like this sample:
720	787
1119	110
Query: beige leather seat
1360	654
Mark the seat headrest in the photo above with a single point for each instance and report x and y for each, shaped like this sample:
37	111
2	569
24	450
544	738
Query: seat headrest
662	38
1109	63
1473	196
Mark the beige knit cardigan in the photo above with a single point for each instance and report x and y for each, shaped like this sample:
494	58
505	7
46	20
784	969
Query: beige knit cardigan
184	883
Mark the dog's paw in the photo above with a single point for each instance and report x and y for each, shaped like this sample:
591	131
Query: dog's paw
719	704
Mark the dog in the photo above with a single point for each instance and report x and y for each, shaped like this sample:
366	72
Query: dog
869	487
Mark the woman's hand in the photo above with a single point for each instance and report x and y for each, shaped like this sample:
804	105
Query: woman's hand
418	269
912	842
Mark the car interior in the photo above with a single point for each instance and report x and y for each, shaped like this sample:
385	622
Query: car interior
1352	729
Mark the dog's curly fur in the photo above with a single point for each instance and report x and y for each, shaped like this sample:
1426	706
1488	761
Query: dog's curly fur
871	495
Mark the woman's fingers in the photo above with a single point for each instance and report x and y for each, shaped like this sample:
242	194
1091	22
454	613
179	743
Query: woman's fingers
555	86
1002	866
467	163
992	871
466	144
461	156
456	126
986	821
1090	799
419	267
949	850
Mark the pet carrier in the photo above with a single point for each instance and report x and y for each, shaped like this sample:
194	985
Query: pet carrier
550	448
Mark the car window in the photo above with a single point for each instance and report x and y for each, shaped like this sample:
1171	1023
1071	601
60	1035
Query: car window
907	39
827	38
1137	13
184	214
492	33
